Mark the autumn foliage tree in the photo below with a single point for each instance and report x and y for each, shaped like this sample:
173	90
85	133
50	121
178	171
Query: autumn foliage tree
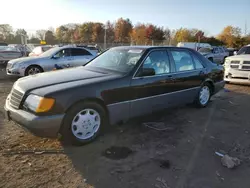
230	35
122	30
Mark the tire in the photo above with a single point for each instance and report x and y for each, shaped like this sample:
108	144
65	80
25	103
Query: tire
36	69
74	129
200	101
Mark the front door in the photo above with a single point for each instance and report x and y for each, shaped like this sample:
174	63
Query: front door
151	92
62	58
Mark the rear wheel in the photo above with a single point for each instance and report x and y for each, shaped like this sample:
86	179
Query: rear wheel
203	96
83	123
33	69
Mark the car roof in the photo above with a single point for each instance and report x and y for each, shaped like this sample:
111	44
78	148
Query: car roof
148	47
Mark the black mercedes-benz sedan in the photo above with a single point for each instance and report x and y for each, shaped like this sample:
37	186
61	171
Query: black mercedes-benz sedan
122	83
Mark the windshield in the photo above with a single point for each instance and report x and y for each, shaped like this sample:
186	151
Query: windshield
244	50
50	52
205	50
122	60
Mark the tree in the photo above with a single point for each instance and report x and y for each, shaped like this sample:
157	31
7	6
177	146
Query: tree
5	31
85	31
138	34
62	34
41	34
98	33
183	35
34	40
230	35
213	41
110	34
50	37
122	30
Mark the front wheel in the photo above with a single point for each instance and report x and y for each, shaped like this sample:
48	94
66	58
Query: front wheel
33	69
83	123
204	96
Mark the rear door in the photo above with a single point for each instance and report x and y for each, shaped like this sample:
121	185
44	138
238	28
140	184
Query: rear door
189	75
80	56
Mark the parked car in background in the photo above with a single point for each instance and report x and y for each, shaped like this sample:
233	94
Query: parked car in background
193	45
39	50
24	49
8	53
3	44
119	84
232	51
214	54
93	48
237	68
62	56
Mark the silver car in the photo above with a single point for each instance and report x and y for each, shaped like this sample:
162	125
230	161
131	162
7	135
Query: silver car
215	54
59	56
7	53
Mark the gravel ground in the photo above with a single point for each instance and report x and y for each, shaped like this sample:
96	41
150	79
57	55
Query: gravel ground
181	156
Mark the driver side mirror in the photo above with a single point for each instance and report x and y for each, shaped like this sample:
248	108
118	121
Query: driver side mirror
147	72
54	57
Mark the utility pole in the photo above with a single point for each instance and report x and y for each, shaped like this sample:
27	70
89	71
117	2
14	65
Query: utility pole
245	27
105	36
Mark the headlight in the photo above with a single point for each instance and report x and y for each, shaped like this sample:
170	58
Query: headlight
38	104
17	65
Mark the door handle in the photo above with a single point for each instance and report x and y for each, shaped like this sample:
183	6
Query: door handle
171	77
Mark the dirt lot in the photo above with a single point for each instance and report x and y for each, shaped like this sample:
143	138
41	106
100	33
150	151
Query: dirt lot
182	156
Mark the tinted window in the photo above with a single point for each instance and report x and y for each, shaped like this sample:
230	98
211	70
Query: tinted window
197	62
221	50
63	53
159	61
79	52
216	50
244	50
183	60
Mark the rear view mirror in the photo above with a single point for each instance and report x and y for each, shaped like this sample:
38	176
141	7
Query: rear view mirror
147	72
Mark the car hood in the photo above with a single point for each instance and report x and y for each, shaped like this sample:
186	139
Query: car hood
239	57
26	59
69	75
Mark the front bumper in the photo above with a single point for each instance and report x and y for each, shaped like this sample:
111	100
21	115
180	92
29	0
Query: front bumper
43	126
14	72
237	76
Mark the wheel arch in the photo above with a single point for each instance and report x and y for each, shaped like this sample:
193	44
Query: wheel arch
33	65
211	83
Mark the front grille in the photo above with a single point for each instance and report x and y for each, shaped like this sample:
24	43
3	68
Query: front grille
246	62
235	62
15	98
245	67
234	66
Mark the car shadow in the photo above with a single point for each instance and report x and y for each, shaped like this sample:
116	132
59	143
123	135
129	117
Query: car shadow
164	144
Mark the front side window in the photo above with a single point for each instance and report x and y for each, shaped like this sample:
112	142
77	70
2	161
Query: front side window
216	50
183	60
62	53
117	59
79	52
159	61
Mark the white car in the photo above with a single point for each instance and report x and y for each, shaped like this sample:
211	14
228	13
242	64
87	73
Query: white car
237	68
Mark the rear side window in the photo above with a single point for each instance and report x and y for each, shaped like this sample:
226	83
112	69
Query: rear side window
79	52
197	62
183	60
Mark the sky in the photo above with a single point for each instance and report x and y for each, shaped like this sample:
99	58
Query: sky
209	15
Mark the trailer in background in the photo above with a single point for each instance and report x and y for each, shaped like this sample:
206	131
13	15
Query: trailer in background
194	45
